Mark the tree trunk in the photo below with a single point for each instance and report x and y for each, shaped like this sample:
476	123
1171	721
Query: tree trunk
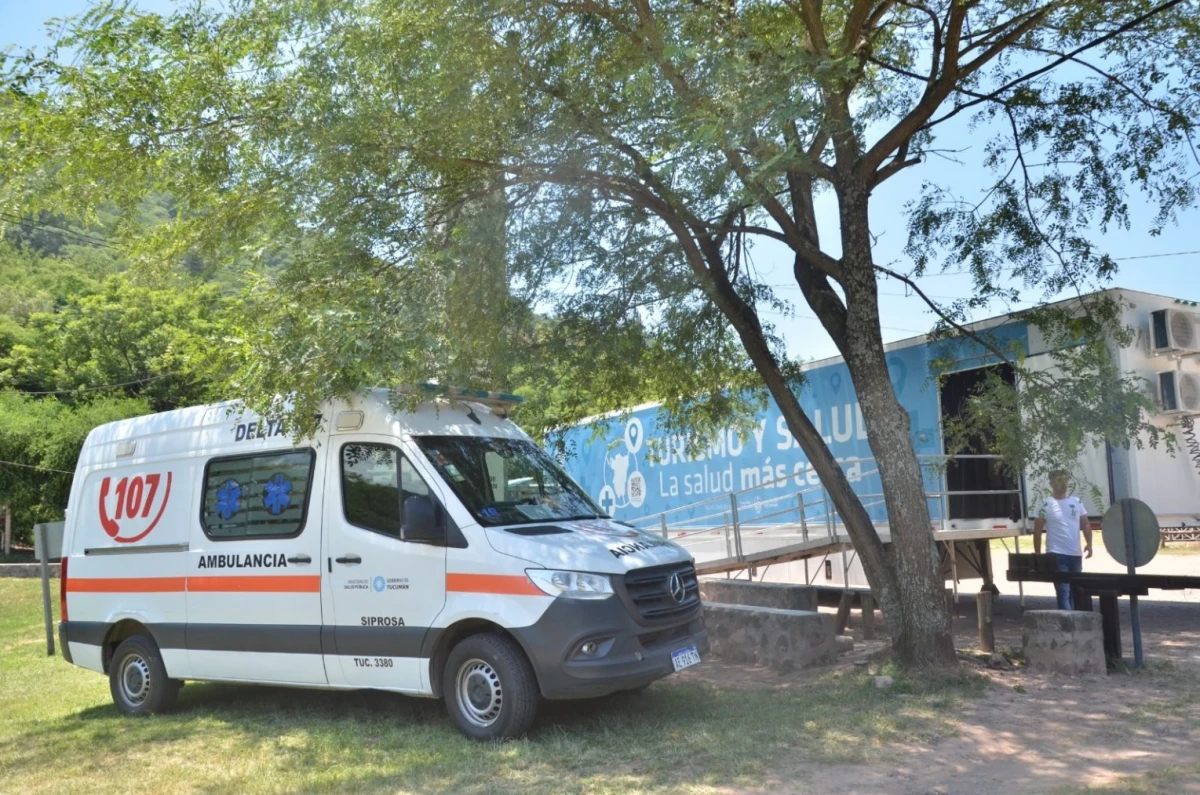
905	578
917	616
918	620
920	627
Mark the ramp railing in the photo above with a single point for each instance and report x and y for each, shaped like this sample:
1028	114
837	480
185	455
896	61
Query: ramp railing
745	525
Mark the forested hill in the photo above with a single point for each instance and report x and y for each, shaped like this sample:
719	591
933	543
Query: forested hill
86	339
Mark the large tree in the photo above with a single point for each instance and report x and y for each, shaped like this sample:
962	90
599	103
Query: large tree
640	148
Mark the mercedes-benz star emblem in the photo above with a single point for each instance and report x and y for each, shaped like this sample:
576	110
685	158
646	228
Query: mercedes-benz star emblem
675	588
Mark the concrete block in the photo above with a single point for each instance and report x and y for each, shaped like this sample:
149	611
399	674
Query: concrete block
783	640
27	570
1063	642
783	595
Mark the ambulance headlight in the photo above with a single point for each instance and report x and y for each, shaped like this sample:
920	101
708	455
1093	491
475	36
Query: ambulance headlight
571	584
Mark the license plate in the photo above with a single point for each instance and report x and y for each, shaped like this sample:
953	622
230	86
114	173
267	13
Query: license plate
685	658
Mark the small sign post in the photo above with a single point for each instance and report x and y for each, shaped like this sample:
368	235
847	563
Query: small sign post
1131	535
46	610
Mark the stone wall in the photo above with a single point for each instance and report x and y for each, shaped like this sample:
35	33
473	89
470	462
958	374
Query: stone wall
26	569
783	640
1063	642
785	596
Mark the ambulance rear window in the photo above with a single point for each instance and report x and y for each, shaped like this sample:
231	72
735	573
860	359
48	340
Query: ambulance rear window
256	496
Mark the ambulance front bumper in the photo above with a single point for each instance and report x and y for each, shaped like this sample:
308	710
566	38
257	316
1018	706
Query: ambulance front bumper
584	649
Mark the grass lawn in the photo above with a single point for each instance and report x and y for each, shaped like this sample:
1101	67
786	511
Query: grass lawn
59	732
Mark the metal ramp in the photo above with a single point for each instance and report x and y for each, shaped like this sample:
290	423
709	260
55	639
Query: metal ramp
774	523
817	547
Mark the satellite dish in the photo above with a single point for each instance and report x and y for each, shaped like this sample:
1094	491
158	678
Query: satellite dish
1142	536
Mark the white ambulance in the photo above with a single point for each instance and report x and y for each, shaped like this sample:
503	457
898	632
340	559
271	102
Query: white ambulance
438	553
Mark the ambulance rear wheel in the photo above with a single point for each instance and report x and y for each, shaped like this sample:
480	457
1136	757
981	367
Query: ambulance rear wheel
138	679
490	688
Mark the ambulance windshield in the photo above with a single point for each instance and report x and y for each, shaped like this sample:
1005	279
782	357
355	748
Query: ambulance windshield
506	481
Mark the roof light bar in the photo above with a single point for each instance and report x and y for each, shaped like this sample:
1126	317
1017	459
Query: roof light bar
497	400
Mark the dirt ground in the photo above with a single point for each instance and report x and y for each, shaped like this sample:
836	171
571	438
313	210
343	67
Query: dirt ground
1133	731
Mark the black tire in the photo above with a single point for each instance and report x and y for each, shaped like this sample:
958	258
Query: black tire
494	670
138	679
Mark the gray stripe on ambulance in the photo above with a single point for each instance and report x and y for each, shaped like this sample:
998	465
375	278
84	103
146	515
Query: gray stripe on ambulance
143	549
272	638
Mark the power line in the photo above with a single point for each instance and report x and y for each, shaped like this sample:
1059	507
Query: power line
813	317
40	468
96	388
881	292
45	227
1115	259
1155	256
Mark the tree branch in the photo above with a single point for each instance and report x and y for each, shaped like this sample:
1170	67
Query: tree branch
746	324
935	93
719	233
1007	40
810	11
878	14
900	162
981	38
653	45
1130	25
825	302
1156	107
855	22
961	329
936	54
800	183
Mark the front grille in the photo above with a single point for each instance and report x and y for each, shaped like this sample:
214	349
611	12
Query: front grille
649	591
662	637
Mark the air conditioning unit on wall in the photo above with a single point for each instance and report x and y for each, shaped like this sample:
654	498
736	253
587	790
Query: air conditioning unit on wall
1179	392
1173	331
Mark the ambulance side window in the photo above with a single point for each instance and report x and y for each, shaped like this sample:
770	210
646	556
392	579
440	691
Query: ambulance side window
256	496
376	483
370	487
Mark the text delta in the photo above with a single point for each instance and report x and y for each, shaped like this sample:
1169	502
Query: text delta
264	429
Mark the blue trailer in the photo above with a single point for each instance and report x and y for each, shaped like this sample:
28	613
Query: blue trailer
743	494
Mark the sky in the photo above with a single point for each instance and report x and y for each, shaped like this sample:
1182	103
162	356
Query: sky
1168	264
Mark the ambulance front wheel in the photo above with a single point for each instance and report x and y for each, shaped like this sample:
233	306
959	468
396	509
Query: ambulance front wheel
490	688
138	679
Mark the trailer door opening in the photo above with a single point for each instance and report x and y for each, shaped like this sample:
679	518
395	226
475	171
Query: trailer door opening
976	474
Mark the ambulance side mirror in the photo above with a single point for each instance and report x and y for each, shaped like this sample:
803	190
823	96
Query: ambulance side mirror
422	521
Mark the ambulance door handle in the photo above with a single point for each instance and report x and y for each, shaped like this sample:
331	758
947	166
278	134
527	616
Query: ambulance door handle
351	560
302	559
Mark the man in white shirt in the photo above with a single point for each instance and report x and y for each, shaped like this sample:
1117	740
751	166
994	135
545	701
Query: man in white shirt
1063	518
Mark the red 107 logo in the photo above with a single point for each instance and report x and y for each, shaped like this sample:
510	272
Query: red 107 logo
126	509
